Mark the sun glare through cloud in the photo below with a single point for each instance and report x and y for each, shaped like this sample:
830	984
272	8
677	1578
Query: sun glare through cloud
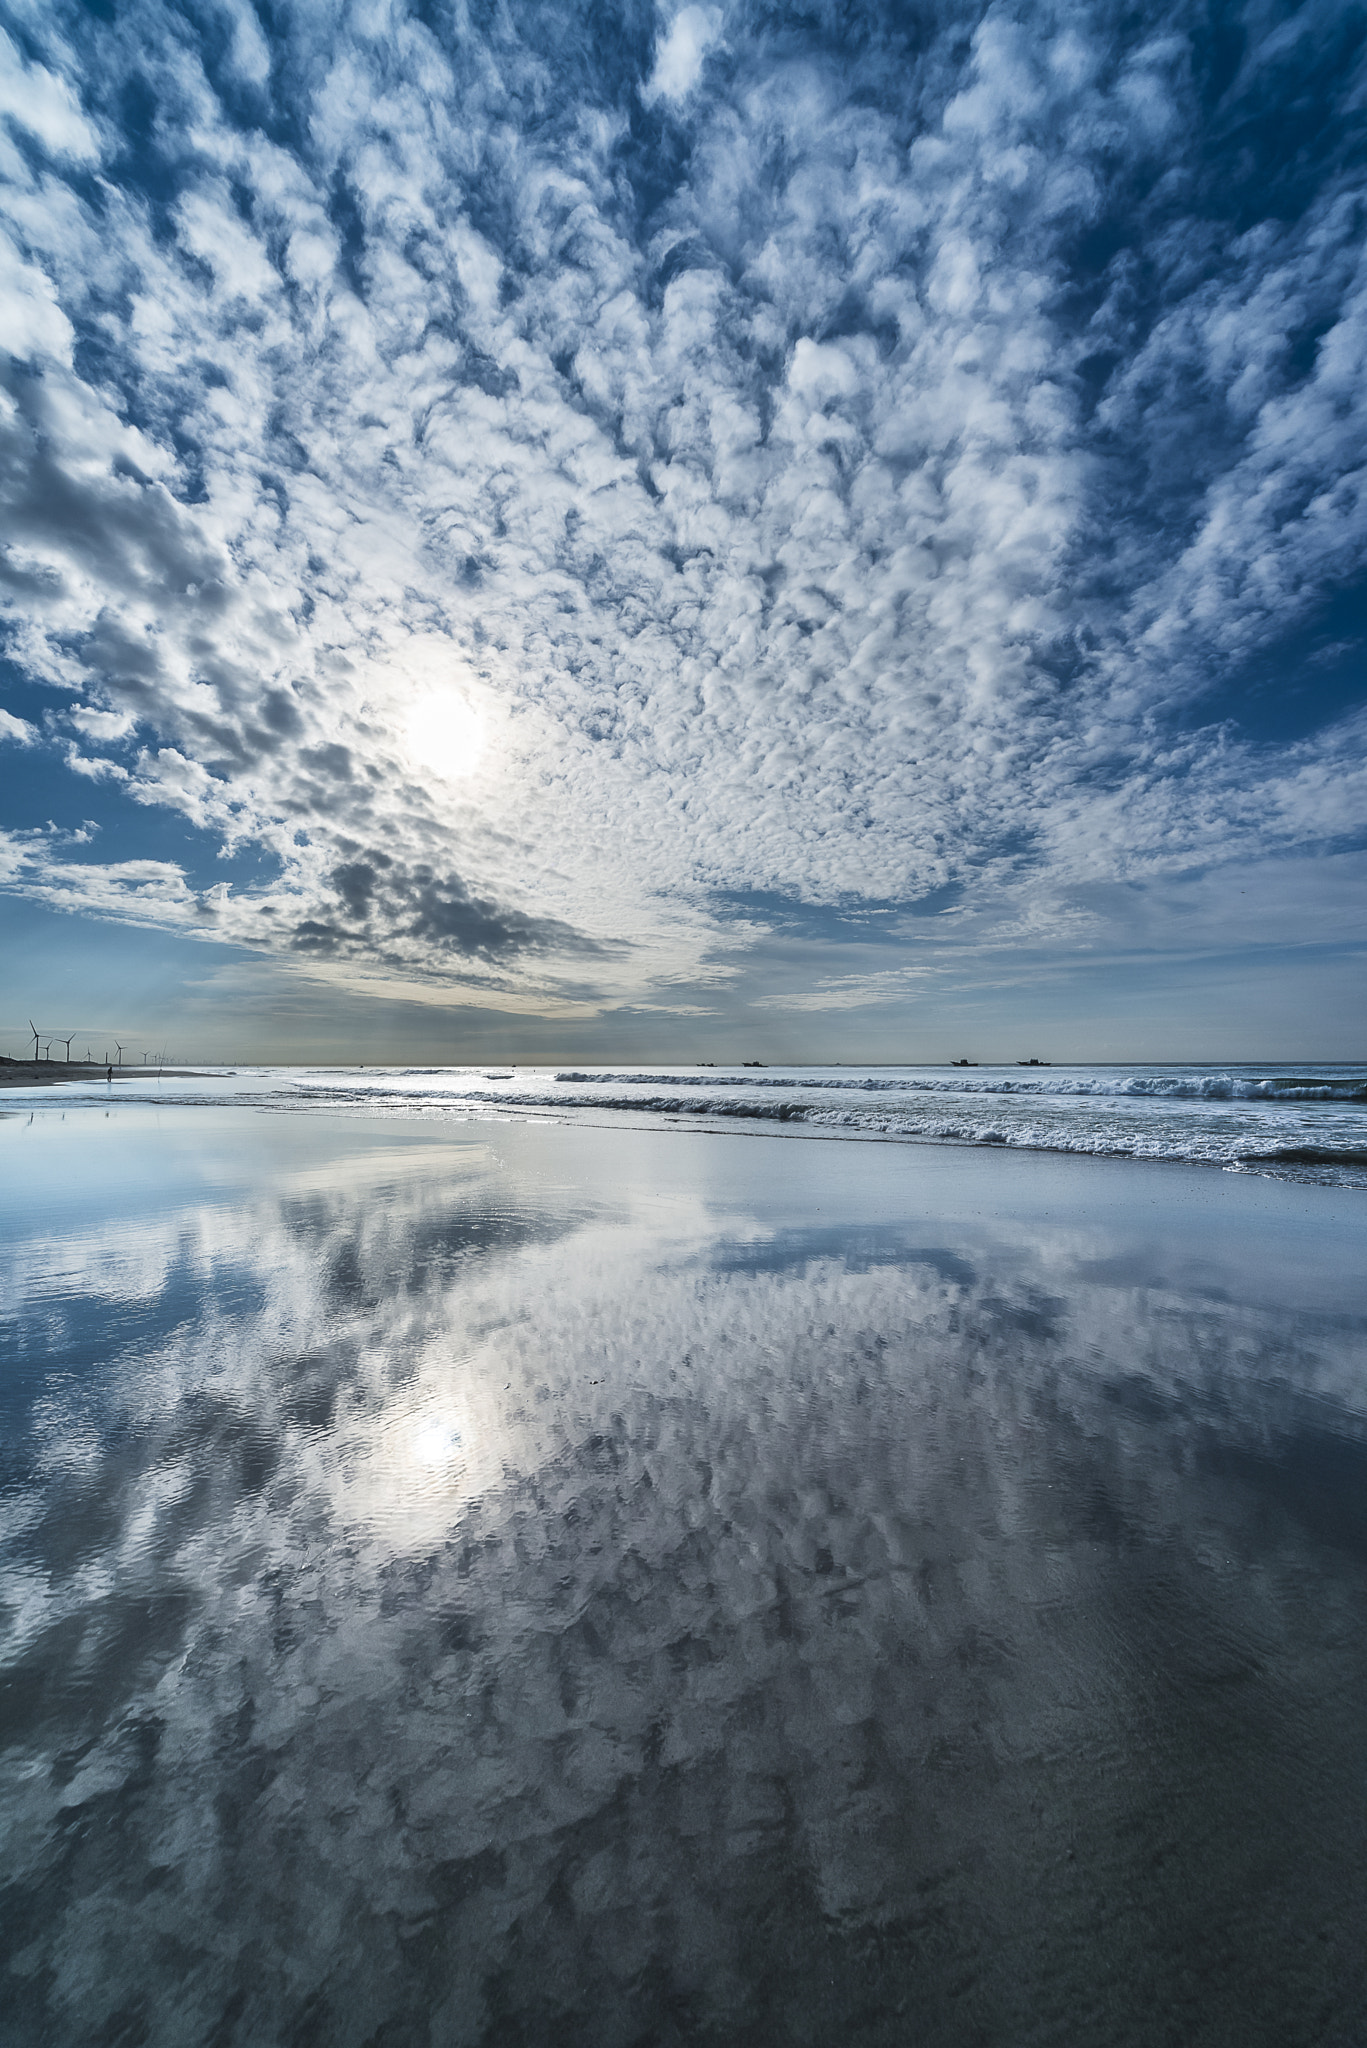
445	734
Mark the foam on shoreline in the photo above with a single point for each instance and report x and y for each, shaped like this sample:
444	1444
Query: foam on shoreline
1299	1126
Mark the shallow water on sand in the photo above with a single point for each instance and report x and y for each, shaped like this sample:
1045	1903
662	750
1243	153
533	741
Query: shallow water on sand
1304	1123
519	1584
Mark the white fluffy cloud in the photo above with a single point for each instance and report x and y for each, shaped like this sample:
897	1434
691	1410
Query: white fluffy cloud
680	52
16	730
523	524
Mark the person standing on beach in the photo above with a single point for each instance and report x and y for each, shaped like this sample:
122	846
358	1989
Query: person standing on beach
109	1073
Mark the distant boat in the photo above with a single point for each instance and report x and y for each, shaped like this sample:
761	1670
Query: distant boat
1034	1063
963	1063
752	1063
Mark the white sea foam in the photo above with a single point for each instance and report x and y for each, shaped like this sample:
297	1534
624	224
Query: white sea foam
1184	1085
1302	1123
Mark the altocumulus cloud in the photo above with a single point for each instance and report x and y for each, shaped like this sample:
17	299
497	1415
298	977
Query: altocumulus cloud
546	475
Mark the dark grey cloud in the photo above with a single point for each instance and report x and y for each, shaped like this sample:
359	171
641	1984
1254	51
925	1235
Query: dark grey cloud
381	900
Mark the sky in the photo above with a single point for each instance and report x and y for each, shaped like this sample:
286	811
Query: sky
604	531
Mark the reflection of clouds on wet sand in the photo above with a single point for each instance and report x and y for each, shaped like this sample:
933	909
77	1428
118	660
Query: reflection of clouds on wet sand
517	1608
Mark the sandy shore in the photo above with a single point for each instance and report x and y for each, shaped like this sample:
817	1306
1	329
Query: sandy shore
515	1581
47	1073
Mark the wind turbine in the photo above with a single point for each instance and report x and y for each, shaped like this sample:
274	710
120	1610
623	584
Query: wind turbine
119	1050
67	1043
34	1029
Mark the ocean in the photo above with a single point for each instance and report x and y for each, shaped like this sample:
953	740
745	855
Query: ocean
1306	1122
544	1558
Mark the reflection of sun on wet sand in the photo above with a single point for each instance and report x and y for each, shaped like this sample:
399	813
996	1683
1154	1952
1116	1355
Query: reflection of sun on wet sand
46	1073
508	1572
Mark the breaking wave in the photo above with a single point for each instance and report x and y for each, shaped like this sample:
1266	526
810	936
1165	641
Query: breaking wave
1299	1125
1186	1086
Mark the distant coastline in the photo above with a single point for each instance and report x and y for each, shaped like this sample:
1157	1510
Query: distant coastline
47	1073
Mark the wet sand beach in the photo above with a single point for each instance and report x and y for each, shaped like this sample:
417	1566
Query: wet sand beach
48	1073
513	1582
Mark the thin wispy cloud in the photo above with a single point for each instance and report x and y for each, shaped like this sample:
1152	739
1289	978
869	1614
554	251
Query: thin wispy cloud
529	478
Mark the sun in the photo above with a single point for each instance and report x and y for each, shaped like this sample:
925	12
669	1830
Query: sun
444	734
